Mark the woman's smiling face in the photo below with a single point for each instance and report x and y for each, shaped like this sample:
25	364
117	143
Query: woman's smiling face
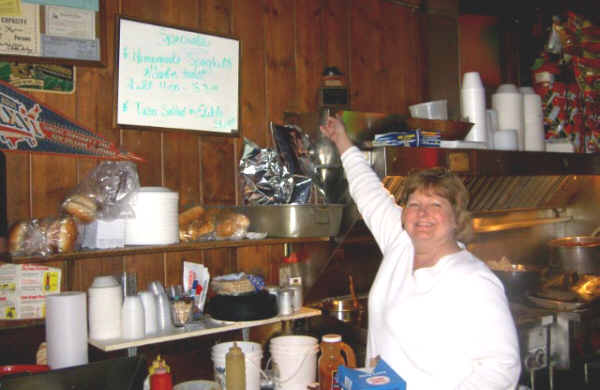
429	219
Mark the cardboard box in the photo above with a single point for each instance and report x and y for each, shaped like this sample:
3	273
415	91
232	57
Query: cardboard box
382	377
23	290
409	138
100	234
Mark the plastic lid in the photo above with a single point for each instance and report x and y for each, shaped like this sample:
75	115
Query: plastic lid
331	338
104	281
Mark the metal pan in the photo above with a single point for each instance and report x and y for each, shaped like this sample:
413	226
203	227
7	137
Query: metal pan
518	283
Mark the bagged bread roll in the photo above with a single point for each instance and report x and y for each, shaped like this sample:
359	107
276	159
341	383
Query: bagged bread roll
197	230
197	224
81	207
231	226
190	215
62	234
43	237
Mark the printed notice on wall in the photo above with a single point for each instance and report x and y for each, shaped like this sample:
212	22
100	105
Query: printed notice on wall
70	22
177	79
20	35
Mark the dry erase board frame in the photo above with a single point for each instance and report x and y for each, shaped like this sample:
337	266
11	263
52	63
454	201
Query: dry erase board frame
78	51
173	79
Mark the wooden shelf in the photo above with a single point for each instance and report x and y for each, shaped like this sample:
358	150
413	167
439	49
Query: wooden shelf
208	327
16	324
137	250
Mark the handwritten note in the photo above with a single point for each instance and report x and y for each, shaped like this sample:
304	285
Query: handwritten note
177	79
20	35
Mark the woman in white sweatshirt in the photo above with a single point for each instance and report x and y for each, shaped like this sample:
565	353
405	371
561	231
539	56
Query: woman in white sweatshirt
437	315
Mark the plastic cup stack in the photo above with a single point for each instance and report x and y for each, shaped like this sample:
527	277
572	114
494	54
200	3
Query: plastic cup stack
472	106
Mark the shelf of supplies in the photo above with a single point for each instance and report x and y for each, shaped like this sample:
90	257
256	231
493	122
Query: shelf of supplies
17	324
138	250
208	327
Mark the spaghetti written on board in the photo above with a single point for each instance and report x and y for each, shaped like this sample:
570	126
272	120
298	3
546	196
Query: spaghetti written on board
176	79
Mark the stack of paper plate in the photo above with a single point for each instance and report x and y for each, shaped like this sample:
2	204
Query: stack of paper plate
156	217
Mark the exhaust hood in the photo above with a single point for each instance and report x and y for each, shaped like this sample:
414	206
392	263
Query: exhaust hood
496	180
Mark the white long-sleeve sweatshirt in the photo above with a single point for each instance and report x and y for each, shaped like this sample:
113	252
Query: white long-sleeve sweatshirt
444	327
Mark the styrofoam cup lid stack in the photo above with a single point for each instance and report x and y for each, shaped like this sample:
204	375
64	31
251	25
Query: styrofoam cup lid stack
104	315
156	217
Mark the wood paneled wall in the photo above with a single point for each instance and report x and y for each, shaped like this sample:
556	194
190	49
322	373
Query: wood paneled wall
285	46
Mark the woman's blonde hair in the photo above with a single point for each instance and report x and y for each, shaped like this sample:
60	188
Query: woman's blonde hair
446	184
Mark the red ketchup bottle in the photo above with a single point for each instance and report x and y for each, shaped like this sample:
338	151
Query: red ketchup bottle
160	375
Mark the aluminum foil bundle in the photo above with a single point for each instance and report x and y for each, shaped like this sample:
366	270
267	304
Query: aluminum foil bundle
296	152
265	180
314	159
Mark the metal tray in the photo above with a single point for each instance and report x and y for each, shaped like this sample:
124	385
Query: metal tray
305	220
554	304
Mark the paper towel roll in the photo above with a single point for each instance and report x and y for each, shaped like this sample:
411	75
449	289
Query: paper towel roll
509	107
533	120
66	329
472	107
105	301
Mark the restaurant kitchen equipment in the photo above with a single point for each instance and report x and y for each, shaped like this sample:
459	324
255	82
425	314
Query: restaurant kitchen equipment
519	201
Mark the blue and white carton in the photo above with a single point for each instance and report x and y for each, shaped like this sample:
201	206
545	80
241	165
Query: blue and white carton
381	377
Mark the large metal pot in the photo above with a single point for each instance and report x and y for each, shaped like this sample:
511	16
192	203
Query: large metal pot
344	308
520	281
579	254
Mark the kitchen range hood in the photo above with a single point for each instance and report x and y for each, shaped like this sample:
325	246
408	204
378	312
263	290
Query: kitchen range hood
496	180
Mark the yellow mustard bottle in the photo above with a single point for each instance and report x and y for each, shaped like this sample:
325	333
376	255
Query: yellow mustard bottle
235	369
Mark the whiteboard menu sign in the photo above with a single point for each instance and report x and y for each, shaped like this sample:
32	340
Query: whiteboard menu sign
169	78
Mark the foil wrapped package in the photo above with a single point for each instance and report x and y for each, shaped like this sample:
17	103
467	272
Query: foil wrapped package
295	149
265	180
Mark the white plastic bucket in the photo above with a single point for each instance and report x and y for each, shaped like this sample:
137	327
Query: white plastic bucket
252	357
197	385
295	360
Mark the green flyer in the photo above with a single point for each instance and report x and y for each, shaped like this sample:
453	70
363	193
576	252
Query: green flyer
39	77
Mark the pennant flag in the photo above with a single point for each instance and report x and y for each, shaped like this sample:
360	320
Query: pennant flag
27	125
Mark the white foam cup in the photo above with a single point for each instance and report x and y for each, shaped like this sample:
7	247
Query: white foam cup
506	139
471	80
507	88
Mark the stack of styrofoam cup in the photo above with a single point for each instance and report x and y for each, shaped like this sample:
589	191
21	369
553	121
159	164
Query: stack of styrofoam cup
491	121
105	300
472	106
132	318
533	121
525	90
506	139
508	103
150	312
